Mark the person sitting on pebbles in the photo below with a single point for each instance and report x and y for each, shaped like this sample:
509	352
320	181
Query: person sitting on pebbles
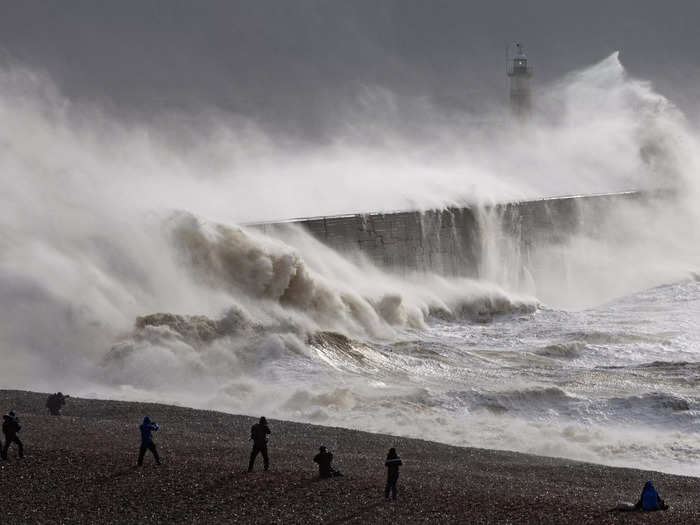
392	464
650	499
324	459
147	427
10	427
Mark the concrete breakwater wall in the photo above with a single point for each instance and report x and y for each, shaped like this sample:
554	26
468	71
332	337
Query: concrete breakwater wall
457	241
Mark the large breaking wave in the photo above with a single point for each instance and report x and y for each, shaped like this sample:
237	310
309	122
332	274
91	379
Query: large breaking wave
123	272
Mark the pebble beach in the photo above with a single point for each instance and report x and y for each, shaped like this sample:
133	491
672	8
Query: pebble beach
80	467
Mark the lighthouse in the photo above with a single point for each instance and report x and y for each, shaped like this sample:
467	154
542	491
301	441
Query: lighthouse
519	73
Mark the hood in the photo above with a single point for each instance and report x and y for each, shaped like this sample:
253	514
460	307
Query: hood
146	420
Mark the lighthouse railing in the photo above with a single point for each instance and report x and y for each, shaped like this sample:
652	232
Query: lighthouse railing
513	69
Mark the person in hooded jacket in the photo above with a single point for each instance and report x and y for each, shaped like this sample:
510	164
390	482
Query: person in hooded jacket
10	427
147	428
258	435
324	459
650	499
392	464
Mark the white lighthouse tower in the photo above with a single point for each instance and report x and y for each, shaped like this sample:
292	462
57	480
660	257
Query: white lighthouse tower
519	72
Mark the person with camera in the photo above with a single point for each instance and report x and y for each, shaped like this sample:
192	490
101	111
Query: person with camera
10	427
147	428
258	435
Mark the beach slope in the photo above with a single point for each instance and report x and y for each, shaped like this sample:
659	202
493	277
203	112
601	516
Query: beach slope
81	468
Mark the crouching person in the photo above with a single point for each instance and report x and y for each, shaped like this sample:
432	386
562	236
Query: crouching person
324	459
55	402
147	428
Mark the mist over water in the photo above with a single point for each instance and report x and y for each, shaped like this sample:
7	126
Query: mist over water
125	272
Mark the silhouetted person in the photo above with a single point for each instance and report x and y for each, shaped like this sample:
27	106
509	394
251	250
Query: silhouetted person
10	427
55	402
324	459
650	499
392	464
147	427
258	434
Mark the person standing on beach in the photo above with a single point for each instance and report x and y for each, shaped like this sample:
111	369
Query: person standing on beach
10	427
392	464
258	435
147	427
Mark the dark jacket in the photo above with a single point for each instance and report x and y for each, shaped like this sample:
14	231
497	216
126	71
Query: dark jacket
324	460
392	466
258	433
650	499
10	425
146	428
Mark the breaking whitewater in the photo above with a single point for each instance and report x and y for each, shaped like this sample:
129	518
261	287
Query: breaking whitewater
450	360
110	289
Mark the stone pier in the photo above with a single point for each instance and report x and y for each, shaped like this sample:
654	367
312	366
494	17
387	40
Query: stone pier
451	241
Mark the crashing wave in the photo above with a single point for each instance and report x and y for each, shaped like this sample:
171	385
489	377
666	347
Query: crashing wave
518	399
197	329
658	401
570	350
263	268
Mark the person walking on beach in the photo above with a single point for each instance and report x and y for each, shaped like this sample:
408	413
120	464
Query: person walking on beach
55	402
324	459
392	464
258	435
10	427
147	427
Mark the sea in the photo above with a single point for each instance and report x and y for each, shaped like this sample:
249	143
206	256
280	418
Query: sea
128	271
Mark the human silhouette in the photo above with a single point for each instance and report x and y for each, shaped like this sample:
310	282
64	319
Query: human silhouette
10	427
258	434
147	427
392	464
55	402
650	499
324	459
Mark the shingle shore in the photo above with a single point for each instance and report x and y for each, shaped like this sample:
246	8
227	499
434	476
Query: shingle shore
81	468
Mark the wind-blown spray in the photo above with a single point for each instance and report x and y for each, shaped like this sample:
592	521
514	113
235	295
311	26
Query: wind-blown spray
123	272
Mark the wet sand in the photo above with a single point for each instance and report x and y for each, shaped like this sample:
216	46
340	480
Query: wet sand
81	468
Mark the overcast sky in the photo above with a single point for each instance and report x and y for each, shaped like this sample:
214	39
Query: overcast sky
290	63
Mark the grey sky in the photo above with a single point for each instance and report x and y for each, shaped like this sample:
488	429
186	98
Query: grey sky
290	63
